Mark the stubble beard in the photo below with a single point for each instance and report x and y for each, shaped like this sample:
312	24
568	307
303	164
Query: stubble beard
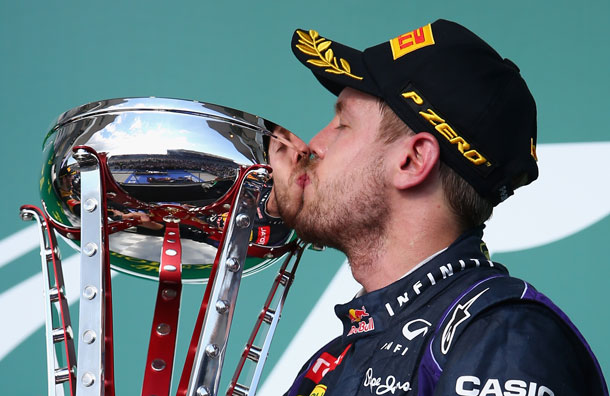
349	212
289	201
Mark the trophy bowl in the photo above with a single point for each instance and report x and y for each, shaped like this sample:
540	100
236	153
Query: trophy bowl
164	157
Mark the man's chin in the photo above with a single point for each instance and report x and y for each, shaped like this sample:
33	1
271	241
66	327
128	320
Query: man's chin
290	210
311	232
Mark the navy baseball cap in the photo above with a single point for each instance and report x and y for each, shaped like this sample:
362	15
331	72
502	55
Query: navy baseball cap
443	79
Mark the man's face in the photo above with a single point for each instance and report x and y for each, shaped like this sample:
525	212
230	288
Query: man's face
344	191
287	157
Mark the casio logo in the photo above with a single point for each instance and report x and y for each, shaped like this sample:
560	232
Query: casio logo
469	385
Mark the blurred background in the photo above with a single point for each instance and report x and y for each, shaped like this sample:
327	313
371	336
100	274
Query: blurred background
58	55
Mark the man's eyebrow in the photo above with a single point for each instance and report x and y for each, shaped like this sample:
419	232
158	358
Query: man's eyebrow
338	106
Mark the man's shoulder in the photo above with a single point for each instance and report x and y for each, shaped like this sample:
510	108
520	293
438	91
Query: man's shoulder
501	333
520	346
501	299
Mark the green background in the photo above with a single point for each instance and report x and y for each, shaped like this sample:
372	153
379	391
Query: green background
57	55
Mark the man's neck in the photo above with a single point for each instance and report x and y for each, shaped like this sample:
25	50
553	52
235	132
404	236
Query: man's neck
378	262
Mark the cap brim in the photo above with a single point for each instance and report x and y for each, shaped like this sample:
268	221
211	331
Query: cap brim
335	65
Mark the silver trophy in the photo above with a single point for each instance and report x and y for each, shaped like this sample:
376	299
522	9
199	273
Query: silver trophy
170	190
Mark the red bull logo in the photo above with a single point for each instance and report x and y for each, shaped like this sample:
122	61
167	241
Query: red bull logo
363	327
356	315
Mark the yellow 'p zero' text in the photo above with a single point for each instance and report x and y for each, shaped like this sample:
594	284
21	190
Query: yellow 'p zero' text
447	131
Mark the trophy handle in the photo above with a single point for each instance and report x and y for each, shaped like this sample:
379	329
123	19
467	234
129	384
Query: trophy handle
56	307
265	324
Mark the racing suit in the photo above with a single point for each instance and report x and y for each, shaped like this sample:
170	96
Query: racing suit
456	325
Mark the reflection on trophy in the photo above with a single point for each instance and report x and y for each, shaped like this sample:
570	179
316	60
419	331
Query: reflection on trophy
169	190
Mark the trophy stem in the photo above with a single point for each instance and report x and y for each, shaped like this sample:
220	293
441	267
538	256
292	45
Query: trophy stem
56	333
162	345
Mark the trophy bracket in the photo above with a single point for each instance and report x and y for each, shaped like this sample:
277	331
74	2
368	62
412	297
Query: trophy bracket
162	344
94	353
211	347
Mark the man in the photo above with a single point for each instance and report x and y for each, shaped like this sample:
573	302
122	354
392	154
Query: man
432	129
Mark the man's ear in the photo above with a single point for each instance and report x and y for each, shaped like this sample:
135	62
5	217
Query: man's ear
416	157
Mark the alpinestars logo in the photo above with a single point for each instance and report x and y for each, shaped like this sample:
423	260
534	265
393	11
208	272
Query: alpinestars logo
459	315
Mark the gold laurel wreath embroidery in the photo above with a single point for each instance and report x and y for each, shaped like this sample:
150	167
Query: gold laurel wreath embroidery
313	44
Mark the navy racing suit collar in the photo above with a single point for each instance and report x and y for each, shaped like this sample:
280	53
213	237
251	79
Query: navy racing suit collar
373	312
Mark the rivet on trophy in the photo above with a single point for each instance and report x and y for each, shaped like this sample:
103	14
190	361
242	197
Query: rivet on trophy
222	306
26	216
89	292
233	265
90	205
203	391
242	220
88	379
163	329
90	249
212	350
89	336
169	294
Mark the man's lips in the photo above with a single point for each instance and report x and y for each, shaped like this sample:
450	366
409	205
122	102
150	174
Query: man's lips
303	180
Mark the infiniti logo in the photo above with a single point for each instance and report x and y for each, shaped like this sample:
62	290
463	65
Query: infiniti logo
410	330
